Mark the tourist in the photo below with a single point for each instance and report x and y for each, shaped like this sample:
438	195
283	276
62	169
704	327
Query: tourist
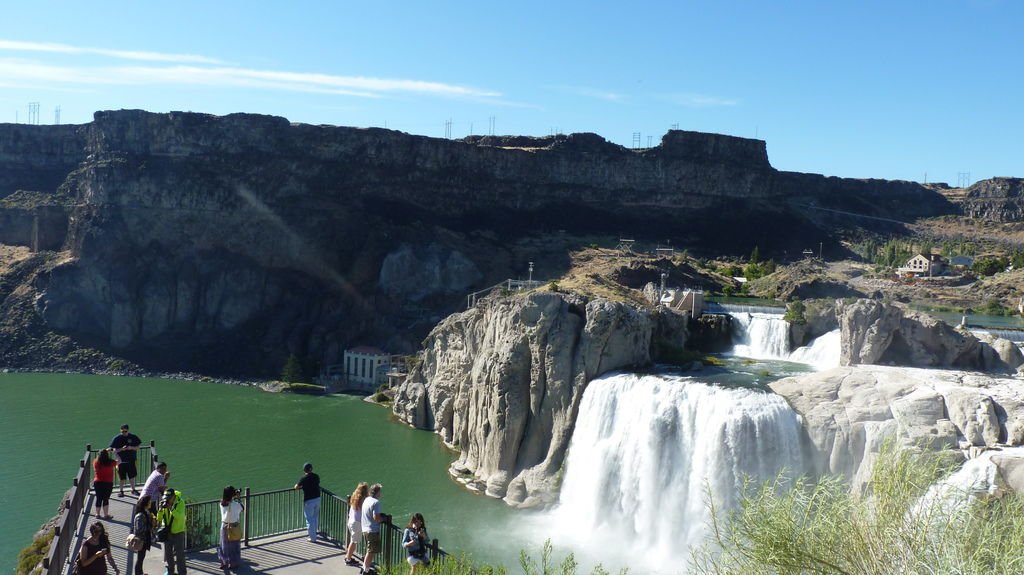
372	518
126	445
230	550
355	521
142	527
155	484
95	552
415	540
172	517
310	485
103	482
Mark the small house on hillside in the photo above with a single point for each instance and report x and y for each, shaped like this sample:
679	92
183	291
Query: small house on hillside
924	265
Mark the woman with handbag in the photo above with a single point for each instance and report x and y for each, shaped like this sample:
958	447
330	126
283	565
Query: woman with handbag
230	550
141	538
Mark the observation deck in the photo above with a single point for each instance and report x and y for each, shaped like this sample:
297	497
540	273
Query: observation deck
273	531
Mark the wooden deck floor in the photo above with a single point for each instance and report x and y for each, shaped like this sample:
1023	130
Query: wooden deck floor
283	555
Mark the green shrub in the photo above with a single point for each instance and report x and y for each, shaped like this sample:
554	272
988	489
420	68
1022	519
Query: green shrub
795	311
31	556
553	286
381	397
821	528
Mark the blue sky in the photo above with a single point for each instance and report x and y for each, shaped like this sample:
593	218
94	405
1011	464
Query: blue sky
890	90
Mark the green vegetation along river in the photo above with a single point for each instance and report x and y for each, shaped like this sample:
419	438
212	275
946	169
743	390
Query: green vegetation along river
212	435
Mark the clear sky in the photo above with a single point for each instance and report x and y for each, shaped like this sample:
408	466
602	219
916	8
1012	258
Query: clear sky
885	89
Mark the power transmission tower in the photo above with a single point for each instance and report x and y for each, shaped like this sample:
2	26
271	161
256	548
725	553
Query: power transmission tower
33	112
675	126
636	140
649	138
56	115
963	179
448	130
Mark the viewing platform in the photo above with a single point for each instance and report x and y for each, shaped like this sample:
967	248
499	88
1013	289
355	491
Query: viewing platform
273	531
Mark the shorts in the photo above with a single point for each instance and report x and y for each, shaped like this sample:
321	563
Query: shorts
372	542
126	470
355	533
413	561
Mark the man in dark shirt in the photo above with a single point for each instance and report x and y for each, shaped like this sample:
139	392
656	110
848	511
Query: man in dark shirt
310	485
126	445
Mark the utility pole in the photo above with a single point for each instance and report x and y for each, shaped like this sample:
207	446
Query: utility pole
820	247
530	277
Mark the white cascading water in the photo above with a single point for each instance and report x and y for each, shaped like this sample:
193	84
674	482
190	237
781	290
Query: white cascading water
648	449
822	353
760	335
977	477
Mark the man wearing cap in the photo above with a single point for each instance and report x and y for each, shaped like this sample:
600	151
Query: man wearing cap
126	445
172	513
310	485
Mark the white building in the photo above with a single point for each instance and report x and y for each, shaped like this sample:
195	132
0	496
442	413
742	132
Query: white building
924	265
365	368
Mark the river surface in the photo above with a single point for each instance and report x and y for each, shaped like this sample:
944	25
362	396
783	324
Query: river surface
214	434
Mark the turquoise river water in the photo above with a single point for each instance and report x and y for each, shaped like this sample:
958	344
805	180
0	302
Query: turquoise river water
213	434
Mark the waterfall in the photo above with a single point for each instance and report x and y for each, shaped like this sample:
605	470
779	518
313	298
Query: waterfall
648	449
977	477
822	353
760	335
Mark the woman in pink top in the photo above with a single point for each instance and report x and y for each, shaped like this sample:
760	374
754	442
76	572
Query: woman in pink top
103	482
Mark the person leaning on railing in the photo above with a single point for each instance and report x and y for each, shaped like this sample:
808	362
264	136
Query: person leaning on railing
372	518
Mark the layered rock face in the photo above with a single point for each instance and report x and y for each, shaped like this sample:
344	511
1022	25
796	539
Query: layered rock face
996	200
195	238
502	383
849	412
874	332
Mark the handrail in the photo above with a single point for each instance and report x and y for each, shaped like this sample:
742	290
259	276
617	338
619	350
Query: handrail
67	525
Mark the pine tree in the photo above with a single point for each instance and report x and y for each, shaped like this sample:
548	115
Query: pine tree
292	372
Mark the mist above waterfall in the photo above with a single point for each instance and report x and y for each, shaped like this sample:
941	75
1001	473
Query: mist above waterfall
646	453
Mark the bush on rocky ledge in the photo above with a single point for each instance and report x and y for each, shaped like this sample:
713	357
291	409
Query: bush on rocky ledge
820	527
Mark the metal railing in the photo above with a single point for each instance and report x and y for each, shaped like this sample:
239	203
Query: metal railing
507	285
280	512
145	461
71	508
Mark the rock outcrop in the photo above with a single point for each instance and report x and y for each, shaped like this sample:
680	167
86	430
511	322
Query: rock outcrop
875	332
849	412
996	200
502	383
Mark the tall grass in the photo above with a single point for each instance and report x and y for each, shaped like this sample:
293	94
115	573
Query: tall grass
462	565
821	528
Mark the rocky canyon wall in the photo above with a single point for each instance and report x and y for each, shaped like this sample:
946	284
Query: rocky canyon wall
196	238
502	383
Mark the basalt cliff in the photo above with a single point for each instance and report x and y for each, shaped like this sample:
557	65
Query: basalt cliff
221	245
502	383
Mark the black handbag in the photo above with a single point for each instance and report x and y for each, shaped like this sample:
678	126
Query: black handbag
163	533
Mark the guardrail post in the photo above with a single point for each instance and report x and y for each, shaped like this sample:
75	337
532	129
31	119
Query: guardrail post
245	524
433	550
